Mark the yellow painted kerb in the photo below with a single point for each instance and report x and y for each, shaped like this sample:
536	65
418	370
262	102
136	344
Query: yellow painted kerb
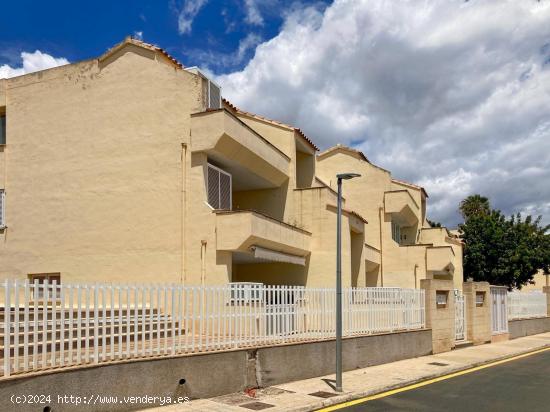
427	382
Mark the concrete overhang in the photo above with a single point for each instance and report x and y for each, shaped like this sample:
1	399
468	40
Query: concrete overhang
356	221
240	230
222	136
371	256
439	260
402	207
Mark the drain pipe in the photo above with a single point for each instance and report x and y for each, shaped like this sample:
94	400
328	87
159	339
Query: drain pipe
203	261
183	279
380	211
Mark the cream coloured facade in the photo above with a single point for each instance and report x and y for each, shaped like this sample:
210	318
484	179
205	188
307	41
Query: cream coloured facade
131	168
404	248
539	281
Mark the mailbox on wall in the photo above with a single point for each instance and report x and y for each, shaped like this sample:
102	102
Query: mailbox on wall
480	299
441	298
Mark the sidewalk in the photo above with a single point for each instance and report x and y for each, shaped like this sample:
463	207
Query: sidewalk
297	396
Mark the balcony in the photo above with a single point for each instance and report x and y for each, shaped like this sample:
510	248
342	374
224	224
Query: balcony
240	230
371	256
236	146
439	260
402	206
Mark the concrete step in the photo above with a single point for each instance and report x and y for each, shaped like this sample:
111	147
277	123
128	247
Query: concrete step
463	344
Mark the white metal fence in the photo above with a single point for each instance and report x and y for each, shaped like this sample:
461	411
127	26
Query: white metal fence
50	325
526	305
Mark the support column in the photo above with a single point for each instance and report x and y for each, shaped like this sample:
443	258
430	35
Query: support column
546	289
477	297
440	313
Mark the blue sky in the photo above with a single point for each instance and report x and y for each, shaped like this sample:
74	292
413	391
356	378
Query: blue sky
82	30
453	95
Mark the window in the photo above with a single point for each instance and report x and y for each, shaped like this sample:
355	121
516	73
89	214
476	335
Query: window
2	208
214	95
39	292
396	232
2	129
213	92
243	293
218	188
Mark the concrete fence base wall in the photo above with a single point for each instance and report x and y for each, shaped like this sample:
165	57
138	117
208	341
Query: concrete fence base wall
280	364
525	327
212	374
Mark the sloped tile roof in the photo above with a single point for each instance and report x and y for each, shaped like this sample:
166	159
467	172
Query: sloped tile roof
275	122
140	43
410	184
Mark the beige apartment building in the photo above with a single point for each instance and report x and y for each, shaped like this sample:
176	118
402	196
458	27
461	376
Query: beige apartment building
132	168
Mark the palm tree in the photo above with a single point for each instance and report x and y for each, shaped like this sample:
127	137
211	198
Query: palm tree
474	205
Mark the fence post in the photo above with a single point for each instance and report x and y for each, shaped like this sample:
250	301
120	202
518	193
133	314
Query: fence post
440	313
7	326
478	311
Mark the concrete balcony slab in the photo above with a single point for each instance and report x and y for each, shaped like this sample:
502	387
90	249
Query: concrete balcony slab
225	138
239	230
439	260
402	206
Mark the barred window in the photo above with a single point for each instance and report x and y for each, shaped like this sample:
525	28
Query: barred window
396	232
2	129
214	96
218	188
2	208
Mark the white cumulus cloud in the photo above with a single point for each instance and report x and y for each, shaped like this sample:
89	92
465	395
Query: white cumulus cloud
453	95
32	62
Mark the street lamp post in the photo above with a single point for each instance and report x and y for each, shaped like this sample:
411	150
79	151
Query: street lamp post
340	177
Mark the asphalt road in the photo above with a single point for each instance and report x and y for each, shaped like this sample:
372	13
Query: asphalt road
519	385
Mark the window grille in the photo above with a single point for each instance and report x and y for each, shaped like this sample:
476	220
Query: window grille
246	292
2	129
2	208
396	232
214	95
39	293
219	188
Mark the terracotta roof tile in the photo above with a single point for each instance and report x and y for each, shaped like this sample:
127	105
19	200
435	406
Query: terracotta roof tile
140	43
346	149
257	116
410	184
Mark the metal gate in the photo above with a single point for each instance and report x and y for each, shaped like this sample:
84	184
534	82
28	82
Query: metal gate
499	310
460	316
281	319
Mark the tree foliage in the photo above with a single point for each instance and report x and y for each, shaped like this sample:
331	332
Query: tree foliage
500	250
474	205
433	223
